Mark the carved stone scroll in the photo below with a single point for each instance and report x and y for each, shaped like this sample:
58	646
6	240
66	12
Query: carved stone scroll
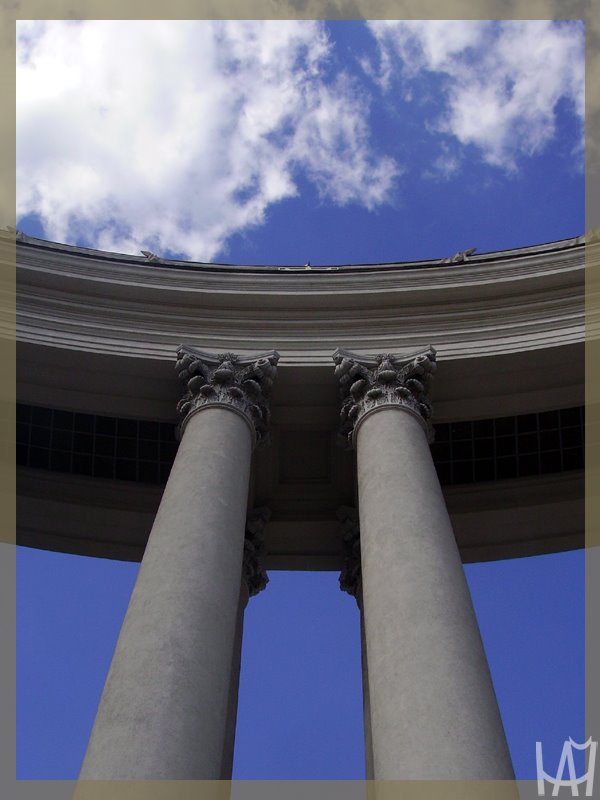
241	383
370	382
254	549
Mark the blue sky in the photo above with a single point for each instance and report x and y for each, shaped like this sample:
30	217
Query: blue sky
282	143
300	712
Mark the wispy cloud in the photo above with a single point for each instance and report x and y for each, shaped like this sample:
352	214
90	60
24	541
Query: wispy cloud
176	135
502	81
445	166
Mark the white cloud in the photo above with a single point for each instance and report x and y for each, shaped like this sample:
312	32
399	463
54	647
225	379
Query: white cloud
502	81
333	146
175	135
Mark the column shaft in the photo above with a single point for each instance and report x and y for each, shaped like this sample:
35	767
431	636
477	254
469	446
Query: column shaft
234	686
369	770
433	709
163	713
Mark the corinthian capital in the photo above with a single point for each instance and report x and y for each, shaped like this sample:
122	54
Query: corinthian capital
368	383
242	384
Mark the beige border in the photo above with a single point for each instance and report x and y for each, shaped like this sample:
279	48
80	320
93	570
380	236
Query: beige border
10	10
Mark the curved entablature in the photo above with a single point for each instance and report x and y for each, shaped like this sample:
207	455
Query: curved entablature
99	331
495	303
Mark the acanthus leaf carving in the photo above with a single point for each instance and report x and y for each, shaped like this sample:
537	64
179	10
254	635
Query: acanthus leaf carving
244	383
369	382
350	575
254	550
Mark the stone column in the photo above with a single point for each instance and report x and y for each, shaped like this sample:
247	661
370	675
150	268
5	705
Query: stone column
254	580
164	709
433	709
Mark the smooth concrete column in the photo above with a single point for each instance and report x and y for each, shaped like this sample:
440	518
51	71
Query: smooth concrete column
163	712
369	765
234	686
433	709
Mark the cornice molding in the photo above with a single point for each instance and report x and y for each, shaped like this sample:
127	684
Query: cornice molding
134	276
495	303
